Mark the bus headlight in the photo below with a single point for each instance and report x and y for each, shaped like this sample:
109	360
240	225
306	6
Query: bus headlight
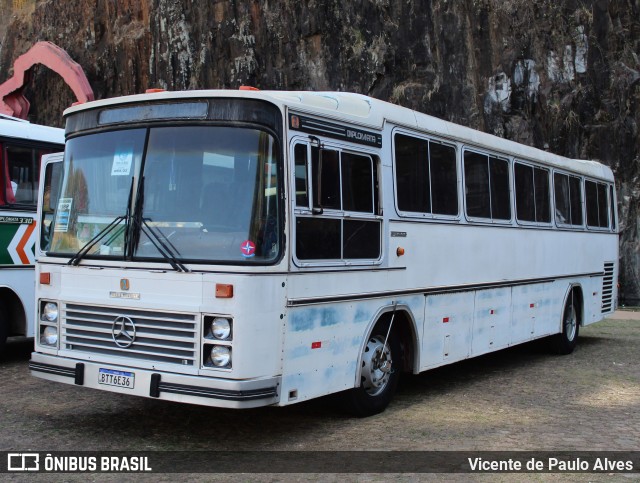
50	312
49	335
221	328
220	356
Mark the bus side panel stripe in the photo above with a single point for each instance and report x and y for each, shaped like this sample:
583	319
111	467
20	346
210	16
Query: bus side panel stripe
435	290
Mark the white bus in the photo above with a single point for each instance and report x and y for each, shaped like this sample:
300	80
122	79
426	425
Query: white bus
249	248
22	146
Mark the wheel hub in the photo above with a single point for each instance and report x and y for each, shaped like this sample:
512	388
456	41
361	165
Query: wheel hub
376	366
570	324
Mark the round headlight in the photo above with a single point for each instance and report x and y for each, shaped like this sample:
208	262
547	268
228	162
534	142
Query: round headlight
221	328
220	356
50	312
50	335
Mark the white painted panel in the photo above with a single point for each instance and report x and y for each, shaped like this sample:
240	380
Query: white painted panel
492	320
447	329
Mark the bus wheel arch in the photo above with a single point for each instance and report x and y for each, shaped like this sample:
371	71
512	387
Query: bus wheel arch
13	320
388	349
404	324
571	320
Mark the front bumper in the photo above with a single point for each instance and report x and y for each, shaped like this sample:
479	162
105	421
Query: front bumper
206	391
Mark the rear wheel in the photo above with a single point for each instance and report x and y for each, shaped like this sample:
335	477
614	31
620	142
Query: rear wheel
380	365
567	340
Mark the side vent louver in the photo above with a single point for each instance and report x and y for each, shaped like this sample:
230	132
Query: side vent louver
607	288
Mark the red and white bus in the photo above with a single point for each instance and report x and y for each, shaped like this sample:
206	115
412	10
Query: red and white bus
22	146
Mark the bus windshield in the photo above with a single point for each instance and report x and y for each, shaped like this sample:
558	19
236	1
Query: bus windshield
199	193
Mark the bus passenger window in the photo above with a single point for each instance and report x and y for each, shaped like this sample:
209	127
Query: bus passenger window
318	238
575	189
345	182
568	194
500	201
525	193
561	184
357	183
596	202
23	170
612	208
603	209
532	193
541	182
487	186
302	180
444	180
426	176
361	239
326	185
412	174
476	178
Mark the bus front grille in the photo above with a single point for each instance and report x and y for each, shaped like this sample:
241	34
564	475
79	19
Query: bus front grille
164	337
607	288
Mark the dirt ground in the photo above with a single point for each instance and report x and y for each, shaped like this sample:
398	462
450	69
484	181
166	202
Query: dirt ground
521	398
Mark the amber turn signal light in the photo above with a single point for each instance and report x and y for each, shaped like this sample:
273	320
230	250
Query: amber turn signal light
400	251
45	278
224	290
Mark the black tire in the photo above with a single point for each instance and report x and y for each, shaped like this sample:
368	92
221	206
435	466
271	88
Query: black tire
4	327
566	341
377	385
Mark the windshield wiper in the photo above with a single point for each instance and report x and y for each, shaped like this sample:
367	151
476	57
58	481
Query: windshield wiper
139	225
167	250
80	254
75	260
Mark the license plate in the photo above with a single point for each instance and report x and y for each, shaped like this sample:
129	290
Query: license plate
110	377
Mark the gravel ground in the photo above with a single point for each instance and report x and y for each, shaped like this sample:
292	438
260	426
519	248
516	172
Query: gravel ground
518	399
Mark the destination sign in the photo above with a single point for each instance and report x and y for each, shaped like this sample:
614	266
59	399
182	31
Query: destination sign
335	131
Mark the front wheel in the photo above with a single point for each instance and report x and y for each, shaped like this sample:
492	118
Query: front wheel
380	365
566	341
4	326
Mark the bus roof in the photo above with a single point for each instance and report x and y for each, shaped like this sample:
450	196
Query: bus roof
372	113
12	127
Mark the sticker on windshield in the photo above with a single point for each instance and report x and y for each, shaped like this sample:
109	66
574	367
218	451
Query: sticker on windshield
248	249
63	214
122	161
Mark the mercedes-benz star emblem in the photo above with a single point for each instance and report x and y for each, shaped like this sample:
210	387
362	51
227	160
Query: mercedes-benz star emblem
123	332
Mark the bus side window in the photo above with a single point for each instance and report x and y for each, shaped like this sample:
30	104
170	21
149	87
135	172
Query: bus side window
596	202
341	181
525	193
532	193
412	174
301	175
326	181
575	193
425	175
444	179
561	187
476	179
23	172
543	207
487	186
612	207
568	191
357	183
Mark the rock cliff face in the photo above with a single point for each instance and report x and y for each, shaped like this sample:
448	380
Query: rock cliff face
558	75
